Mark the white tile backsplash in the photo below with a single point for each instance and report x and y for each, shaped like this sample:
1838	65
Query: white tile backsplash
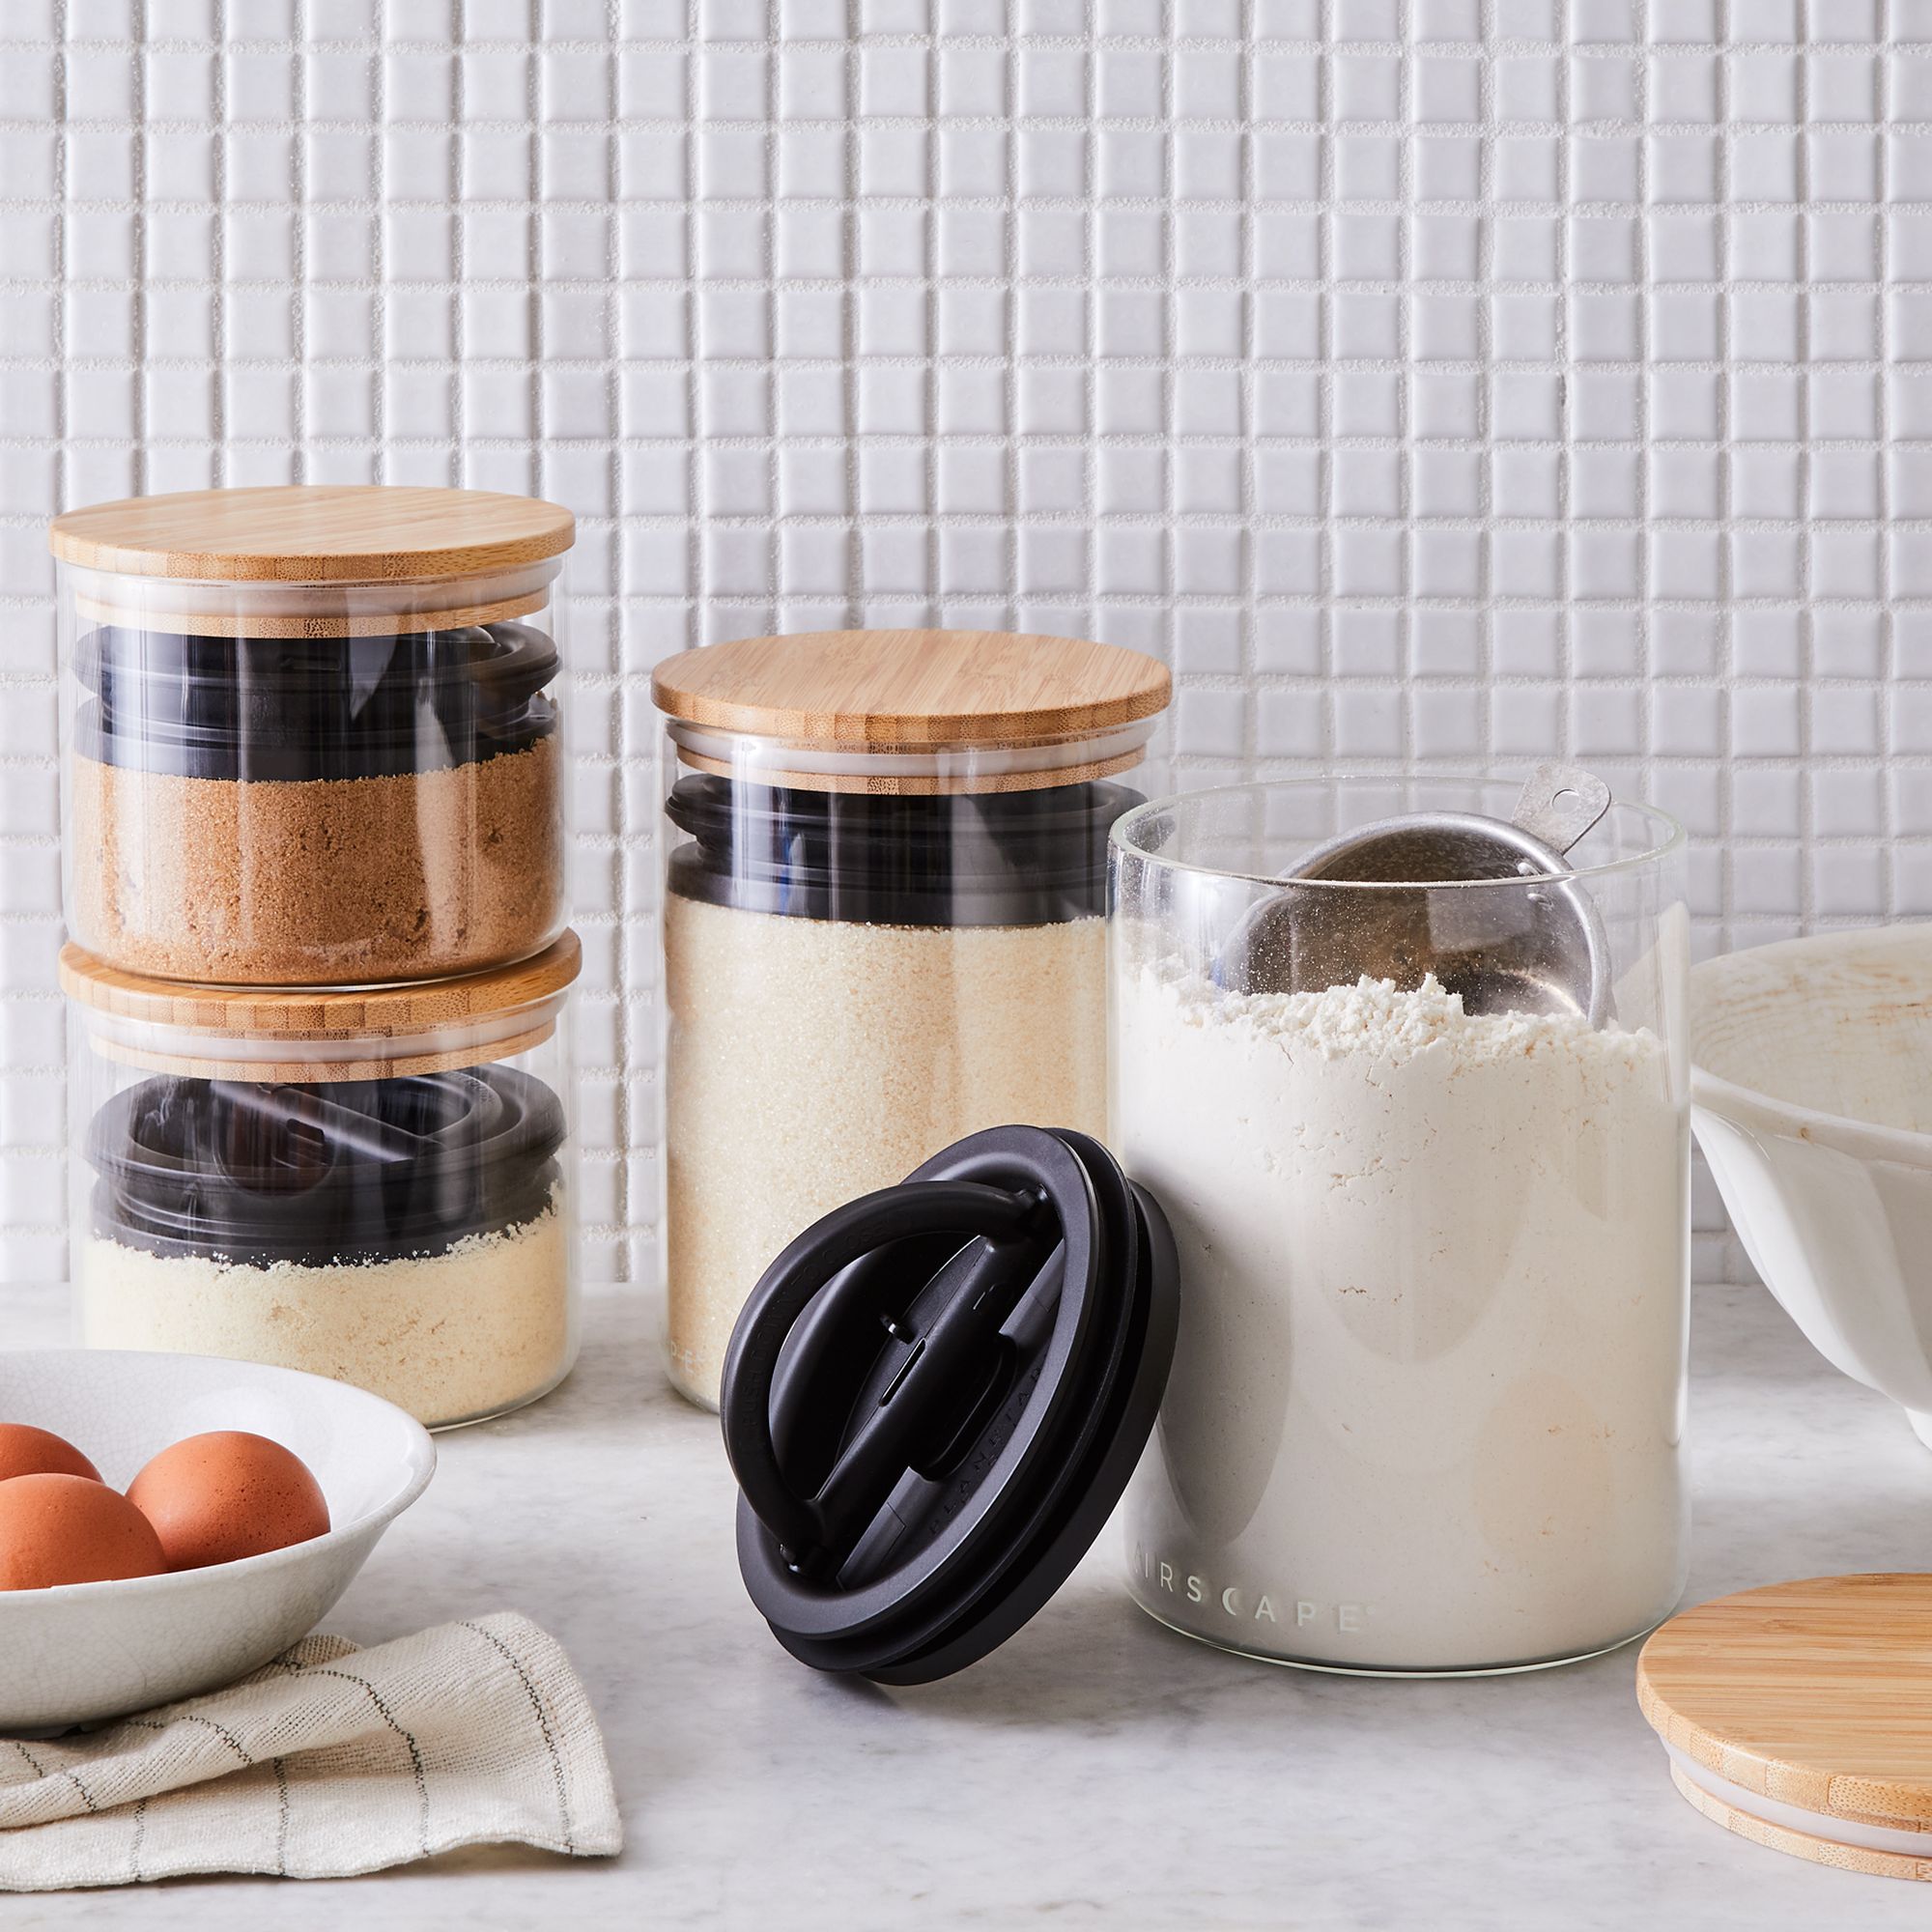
1456	378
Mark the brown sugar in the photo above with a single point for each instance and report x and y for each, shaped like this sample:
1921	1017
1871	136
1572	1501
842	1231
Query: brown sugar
294	882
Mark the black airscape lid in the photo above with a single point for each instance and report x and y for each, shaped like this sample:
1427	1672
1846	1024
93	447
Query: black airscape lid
351	1171
1016	858
263	709
936	1395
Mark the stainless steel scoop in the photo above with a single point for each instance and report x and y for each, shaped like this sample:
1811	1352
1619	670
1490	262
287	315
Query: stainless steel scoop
1541	949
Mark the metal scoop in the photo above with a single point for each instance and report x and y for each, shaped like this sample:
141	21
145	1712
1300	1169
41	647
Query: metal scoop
1542	949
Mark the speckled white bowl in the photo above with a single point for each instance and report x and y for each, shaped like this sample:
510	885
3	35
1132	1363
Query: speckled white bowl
1812	1100
90	1651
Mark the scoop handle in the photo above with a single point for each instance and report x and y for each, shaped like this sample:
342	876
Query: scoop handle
1560	803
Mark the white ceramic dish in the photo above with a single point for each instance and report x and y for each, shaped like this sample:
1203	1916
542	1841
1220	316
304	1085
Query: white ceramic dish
1812	1100
89	1651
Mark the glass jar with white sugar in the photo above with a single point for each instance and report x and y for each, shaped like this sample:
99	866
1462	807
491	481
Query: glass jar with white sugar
884	896
1423	1141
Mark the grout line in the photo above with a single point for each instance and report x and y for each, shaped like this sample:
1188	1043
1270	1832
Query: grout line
852	217
936	203
298	244
1009	302
1403	532
379	319
1249	562
1171	370
1726	503
630	1044
459	253
1322	590
1562	295
533	80
62	478
696	625
1485	359
217	385
1641	639
1806	639
60	264
767	370
137	294
1887	657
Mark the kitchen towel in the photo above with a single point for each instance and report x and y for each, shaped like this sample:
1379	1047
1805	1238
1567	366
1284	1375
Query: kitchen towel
327	1761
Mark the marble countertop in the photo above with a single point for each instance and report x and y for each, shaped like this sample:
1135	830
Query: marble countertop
1098	1769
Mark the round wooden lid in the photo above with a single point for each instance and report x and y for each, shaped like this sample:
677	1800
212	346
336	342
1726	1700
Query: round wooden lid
961	690
1816	1695
312	533
374	1013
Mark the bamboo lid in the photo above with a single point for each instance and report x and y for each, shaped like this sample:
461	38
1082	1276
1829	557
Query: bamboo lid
872	710
951	688
1814	1697
319	1012
313	533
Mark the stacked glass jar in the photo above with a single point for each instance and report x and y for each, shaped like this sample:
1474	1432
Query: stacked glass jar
313	867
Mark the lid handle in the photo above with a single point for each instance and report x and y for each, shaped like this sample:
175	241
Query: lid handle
812	1530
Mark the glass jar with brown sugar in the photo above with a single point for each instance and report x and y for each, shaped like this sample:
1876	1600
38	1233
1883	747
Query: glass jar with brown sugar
310	732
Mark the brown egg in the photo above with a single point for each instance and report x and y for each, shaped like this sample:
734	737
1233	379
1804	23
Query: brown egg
213	1498
27	1451
57	1528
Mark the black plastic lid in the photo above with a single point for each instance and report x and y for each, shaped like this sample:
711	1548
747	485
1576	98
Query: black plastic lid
936	1395
1017	858
353	1171
263	709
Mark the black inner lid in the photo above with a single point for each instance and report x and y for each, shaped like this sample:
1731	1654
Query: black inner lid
354	1170
1013	858
935	1396
301	708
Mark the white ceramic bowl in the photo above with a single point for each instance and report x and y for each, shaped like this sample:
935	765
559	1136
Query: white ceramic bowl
1812	1100
88	1651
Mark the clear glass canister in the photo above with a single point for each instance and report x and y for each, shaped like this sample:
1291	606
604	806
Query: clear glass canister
311	733
1425	1151
371	1185
884	898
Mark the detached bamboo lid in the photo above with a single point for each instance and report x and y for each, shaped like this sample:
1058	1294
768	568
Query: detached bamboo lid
885	710
310	1033
1799	1717
292	554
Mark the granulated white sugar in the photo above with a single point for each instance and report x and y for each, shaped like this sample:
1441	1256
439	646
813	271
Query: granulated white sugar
1426	1412
477	1328
810	1061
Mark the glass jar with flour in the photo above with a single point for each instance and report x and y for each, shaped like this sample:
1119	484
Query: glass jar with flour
884	889
372	1183
1416	1110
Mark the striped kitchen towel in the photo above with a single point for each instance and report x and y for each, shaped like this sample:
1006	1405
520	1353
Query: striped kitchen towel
327	1761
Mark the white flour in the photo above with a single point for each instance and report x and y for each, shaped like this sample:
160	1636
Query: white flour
1427	1409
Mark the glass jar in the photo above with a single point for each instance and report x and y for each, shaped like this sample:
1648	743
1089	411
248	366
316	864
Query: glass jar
1426	1409
371	1185
884	898
310	732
